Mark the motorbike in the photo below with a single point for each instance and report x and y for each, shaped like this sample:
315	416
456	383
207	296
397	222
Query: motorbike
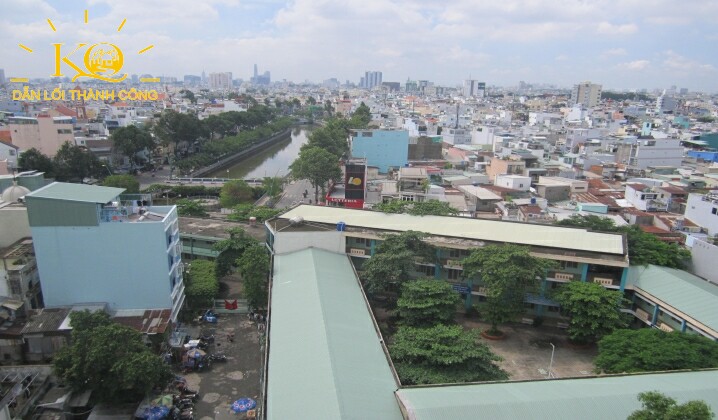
217	357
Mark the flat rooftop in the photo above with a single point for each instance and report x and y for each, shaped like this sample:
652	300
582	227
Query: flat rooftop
549	236
77	192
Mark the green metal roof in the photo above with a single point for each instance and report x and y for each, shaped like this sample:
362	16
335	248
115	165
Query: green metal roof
77	192
683	291
613	397
325	357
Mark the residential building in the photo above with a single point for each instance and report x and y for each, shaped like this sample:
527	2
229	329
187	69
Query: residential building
220	81
371	79
8	157
44	133
505	166
586	93
514	182
94	244
474	89
479	199
384	149
645	198
19	278
644	152
456	136
702	209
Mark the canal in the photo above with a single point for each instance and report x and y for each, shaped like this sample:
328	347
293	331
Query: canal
273	161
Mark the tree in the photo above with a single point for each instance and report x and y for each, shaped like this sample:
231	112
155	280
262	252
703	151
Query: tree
128	182
316	165
442	354
33	160
186	207
657	406
331	139
395	260
311	100
432	207
328	107
594	310
253	265
392	206
650	350
110	359
361	116
508	272
243	212
188	94
592	222
131	140
235	192
273	186
643	248
219	125
202	285
175	128
426	302
230	249
73	163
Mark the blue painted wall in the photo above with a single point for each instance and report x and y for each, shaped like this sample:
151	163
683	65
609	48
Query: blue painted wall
381	148
707	156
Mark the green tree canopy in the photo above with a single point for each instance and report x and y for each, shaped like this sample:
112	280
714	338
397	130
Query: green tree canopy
128	182
317	166
129	141
231	249
244	212
395	260
594	310
174	128
235	192
361	116
650	350
423	208
392	206
109	359
442	354
33	160
643	248
188	94
254	267
426	302
187	207
657	406
74	163
201	284
273	186
508	272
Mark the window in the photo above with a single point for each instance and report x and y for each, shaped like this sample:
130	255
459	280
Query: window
715	210
569	264
454	253
454	274
427	270
553	308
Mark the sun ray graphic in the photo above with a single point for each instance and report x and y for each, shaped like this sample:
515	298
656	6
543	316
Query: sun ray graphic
119	28
49	22
25	48
145	49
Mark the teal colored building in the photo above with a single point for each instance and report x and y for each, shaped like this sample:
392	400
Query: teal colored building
95	245
384	149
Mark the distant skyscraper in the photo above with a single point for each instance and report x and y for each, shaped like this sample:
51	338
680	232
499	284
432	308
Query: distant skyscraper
263	79
586	94
371	79
255	71
2	76
474	89
220	80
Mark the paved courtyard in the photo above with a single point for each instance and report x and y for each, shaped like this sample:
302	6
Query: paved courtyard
527	352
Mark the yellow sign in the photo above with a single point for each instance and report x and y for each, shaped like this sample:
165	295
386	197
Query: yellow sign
99	60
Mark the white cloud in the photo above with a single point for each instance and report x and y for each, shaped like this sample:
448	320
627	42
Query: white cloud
606	28
676	62
636	65
614	52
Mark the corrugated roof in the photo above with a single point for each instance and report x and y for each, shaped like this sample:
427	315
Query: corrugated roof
461	227
77	192
613	397
325	357
683	291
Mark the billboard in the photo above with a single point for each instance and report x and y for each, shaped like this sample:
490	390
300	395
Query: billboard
354	181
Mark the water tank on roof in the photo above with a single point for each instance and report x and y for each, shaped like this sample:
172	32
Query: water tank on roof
341	226
14	193
533	200
296	220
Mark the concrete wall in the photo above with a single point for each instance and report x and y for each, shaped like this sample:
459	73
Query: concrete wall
703	213
285	242
14	225
123	264
381	148
705	260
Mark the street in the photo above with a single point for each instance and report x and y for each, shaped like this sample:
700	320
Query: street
294	194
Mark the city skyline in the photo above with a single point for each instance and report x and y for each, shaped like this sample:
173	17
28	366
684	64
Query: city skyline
621	45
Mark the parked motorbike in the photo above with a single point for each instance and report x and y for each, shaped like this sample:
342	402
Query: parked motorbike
217	357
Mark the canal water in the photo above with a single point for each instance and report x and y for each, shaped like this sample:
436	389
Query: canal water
272	161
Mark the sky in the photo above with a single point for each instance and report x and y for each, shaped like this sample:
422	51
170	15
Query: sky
623	44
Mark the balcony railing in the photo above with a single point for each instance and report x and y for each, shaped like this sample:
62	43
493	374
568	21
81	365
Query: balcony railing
562	276
643	315
604	279
357	252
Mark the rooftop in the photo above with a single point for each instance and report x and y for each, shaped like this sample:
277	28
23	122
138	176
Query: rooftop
325	355
610	397
574	239
77	192
683	291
